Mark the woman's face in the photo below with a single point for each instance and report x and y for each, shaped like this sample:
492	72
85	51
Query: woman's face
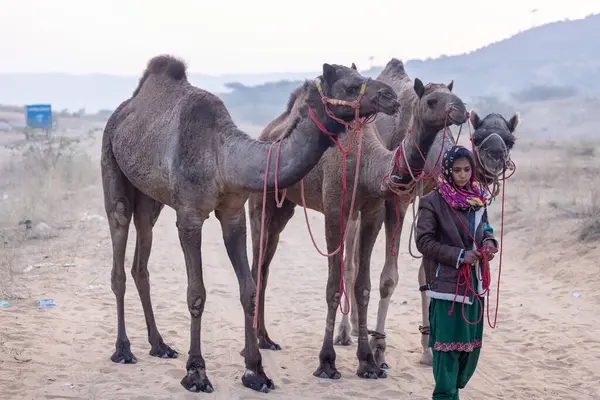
461	172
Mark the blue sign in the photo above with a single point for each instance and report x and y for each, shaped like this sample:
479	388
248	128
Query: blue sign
39	116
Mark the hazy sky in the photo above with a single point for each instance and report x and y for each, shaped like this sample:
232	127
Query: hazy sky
226	36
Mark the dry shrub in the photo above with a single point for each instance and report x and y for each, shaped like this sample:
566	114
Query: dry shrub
36	183
554	197
587	210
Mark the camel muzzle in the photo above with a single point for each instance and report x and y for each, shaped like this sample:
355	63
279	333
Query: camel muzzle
388	102
457	113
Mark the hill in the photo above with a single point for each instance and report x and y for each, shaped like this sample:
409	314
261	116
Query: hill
550	62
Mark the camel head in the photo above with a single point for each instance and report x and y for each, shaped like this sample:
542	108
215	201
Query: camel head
437	106
493	139
342	83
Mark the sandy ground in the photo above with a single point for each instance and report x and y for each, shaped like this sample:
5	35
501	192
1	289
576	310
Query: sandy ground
546	345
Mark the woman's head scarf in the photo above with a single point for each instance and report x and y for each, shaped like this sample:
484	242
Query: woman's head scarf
462	199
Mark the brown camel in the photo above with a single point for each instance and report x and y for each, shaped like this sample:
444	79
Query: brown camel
434	105
174	144
493	139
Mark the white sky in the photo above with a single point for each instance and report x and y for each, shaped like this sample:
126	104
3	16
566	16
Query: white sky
247	36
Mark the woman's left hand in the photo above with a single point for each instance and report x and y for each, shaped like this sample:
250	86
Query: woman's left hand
490	251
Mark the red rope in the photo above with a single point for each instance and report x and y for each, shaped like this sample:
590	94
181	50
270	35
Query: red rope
343	228
465	272
413	172
357	127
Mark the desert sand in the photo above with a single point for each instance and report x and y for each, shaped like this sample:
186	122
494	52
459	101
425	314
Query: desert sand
545	345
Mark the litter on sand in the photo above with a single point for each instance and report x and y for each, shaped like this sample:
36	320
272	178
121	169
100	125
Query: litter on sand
46	303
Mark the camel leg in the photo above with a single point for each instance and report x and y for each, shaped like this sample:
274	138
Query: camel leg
345	331
427	356
275	221
388	281
145	214
189	226
233	224
370	225
118	201
327	368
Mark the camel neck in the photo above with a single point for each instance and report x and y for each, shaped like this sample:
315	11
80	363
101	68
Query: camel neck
376	163
417	144
244	160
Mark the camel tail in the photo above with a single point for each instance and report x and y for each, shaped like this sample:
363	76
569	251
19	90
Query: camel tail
166	65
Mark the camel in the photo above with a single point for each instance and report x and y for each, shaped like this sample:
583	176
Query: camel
493	139
435	105
174	144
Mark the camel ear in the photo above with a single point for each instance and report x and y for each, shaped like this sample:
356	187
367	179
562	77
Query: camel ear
353	66
451	85
419	88
514	122
475	120
329	73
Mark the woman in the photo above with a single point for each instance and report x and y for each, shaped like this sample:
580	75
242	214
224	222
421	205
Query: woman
452	258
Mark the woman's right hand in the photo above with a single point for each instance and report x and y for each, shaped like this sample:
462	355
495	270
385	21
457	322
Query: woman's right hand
472	256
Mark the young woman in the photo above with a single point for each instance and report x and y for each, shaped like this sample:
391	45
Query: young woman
453	235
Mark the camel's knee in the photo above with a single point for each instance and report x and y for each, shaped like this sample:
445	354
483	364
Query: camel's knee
333	301
196	305
362	294
121	211
248	300
117	281
140	274
388	283
387	287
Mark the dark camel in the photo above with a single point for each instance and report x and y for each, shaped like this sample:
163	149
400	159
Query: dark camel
493	138
174	144
323	188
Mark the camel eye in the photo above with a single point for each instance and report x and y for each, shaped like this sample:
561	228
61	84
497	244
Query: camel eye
432	102
352	90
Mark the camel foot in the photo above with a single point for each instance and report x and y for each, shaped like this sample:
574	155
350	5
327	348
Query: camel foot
123	354
427	357
257	381
196	379
368	370
377	344
343	338
327	371
163	351
268	344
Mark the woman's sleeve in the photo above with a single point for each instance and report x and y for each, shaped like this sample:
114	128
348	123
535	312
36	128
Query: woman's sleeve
488	231
425	236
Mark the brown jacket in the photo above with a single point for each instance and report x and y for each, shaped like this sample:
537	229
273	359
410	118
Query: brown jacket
442	239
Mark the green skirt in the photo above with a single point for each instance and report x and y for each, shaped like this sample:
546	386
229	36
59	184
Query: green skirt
452	332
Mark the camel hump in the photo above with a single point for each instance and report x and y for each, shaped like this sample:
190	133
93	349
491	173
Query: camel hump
167	65
395	67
